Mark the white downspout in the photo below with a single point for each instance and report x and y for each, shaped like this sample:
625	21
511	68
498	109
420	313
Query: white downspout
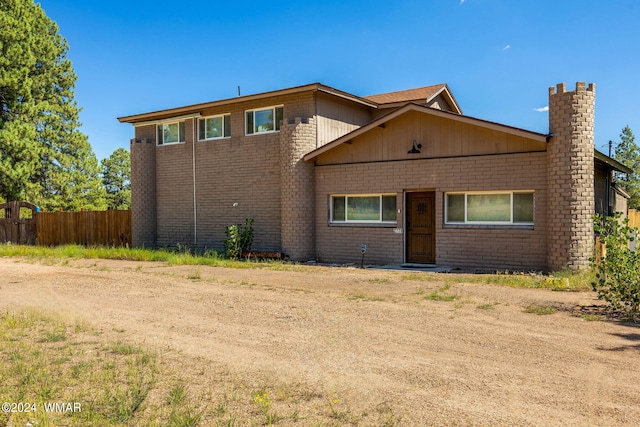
195	204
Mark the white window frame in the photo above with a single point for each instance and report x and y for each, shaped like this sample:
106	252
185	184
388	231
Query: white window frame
276	124
161	124
472	193
346	205
224	129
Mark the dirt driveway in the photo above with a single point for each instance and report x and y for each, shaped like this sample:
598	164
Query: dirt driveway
367	340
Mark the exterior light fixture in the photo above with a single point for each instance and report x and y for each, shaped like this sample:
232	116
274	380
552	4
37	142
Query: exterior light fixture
415	149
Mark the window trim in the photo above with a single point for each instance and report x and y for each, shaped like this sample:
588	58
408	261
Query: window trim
499	223
224	129
161	124
333	221
276	124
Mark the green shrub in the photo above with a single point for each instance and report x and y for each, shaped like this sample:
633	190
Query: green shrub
617	279
239	238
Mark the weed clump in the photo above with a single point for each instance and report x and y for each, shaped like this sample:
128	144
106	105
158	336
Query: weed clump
617	278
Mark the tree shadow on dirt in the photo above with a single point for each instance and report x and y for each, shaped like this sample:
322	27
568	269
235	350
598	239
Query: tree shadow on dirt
607	314
631	337
600	312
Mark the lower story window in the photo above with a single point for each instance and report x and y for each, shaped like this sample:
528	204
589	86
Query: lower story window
513	207
368	208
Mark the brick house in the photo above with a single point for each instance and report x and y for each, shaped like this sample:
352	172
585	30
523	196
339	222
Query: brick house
322	172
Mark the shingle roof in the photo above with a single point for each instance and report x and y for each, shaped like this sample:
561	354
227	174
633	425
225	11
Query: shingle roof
421	93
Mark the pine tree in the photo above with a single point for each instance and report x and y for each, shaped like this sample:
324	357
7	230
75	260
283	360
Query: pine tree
44	158
627	152
116	178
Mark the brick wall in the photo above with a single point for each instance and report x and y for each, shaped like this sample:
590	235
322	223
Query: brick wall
500	247
241	170
571	176
245	170
174	192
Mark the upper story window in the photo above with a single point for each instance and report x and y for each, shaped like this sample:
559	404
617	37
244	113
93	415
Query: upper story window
171	133
214	127
499	208
264	120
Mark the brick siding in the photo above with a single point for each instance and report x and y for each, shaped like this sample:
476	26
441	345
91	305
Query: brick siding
504	247
242	170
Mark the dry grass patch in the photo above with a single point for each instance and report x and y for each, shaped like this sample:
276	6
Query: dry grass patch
101	382
44	360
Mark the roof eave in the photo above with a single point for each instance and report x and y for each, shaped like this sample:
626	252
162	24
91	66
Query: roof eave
187	109
613	163
621	191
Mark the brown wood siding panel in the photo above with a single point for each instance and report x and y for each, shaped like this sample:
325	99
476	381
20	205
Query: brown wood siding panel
440	137
336	118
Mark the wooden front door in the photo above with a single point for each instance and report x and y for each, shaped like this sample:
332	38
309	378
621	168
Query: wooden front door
421	227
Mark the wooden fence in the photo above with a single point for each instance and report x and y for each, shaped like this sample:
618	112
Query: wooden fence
634	218
88	228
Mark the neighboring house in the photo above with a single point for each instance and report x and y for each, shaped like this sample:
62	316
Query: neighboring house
323	172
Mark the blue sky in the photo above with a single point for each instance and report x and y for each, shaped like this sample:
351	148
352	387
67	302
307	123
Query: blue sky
498	57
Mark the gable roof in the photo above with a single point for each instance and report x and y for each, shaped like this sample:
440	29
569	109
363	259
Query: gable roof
418	95
426	110
406	95
189	109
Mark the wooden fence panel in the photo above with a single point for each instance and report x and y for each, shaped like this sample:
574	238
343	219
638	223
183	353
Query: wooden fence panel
634	218
87	228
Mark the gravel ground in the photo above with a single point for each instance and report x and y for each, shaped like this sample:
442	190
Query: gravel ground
369	337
